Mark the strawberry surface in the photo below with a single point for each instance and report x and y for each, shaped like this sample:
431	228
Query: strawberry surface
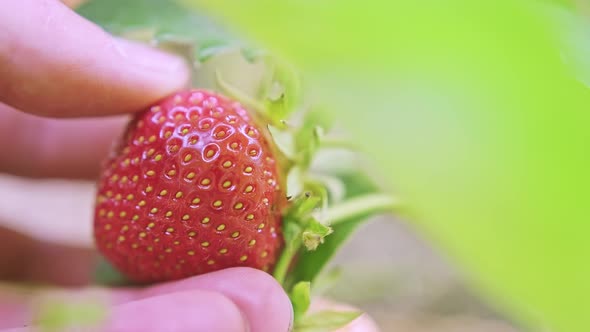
193	187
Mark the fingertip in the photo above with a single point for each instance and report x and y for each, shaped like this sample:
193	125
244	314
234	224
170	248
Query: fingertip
69	67
190	310
259	296
363	323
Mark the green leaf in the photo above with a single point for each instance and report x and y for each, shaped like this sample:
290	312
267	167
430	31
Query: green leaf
160	20
314	233
326	321
300	298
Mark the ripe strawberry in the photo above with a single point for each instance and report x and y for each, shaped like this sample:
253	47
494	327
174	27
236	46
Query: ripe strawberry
193	187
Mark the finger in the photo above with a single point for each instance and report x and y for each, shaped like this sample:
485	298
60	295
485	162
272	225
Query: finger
55	63
41	147
189	310
192	310
258	295
261	300
364	323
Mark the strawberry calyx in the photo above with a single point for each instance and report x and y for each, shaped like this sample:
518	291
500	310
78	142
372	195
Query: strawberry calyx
312	210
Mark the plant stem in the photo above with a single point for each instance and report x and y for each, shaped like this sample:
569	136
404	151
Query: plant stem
338	213
360	205
285	259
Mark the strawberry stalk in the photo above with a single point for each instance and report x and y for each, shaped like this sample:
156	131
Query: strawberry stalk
359	206
308	221
286	257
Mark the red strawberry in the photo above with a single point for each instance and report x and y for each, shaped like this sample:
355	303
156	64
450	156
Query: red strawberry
193	187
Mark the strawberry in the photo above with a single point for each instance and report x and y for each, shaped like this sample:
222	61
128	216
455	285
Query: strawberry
193	187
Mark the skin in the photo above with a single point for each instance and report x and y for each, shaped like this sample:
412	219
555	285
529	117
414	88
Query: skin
65	87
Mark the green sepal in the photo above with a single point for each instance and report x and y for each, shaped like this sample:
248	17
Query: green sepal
334	187
309	135
325	321
282	94
314	233
159	20
302	206
300	298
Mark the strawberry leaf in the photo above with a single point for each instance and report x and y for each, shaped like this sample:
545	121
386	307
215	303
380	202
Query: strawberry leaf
159	20
325	321
300	298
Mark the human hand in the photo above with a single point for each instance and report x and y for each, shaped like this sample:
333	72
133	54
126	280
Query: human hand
56	65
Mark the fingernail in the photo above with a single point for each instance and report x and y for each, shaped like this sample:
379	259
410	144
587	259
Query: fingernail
150	58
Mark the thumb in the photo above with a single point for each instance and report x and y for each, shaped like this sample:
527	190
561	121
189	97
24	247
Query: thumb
55	63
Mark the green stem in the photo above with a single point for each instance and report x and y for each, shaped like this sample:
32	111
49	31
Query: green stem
360	206
285	259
